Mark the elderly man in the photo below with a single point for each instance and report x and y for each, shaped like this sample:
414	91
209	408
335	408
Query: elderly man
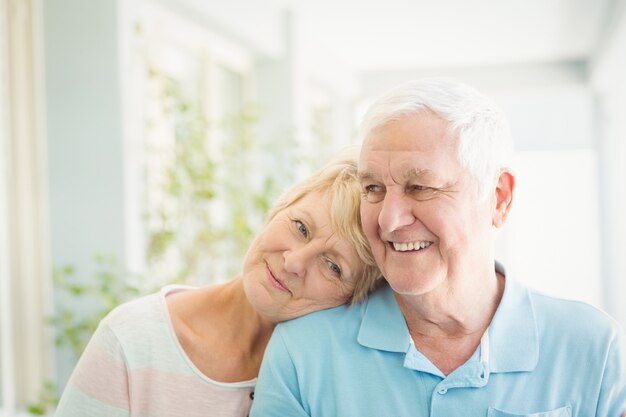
449	333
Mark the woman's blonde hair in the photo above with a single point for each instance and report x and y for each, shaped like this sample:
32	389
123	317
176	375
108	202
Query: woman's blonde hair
339	180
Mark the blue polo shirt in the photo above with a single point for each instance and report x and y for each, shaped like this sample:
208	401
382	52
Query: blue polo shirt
541	357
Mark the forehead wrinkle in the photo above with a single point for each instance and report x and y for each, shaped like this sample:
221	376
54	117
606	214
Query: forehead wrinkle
414	173
365	175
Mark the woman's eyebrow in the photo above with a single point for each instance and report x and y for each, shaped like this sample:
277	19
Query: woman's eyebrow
305	215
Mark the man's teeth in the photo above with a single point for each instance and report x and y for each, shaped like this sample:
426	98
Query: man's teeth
403	247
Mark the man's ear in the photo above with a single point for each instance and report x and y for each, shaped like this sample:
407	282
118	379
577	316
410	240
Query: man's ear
504	197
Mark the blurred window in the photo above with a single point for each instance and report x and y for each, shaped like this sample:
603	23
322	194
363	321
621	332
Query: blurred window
195	88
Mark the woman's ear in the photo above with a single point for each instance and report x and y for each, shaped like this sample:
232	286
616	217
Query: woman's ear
504	197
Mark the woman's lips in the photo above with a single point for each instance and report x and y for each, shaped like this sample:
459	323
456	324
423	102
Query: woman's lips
275	282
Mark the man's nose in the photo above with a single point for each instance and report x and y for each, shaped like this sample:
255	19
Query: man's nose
396	212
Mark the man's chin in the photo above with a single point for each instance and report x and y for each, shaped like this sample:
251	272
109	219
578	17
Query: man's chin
409	284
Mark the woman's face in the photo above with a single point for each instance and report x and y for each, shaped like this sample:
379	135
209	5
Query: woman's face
299	264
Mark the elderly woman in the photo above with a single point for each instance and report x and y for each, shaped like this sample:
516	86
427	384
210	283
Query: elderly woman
197	352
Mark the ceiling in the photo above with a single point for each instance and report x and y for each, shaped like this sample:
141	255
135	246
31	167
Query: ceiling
416	34
374	37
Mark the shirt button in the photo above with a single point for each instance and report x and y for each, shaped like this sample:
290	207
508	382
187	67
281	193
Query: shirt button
442	391
252	395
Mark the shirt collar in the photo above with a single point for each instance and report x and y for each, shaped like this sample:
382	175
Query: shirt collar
513	336
383	326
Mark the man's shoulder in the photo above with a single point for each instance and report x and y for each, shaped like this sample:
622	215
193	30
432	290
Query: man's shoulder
329	319
571	315
322	331
341	326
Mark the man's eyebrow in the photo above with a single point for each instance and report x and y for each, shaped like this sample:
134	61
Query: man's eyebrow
419	173
412	174
365	175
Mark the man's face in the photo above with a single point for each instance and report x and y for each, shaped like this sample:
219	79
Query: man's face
420	209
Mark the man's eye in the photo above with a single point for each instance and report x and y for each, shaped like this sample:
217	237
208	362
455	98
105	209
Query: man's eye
373	193
421	192
301	228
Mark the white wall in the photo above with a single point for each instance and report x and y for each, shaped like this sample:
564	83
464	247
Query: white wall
85	159
258	25
607	76
552	240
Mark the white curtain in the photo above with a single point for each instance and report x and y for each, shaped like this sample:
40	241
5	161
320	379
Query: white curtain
25	287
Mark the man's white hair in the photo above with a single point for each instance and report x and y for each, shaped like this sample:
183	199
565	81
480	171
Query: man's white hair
484	145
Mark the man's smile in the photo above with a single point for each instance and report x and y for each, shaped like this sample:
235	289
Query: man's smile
411	246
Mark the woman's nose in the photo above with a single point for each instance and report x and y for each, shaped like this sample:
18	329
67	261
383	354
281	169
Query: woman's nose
297	260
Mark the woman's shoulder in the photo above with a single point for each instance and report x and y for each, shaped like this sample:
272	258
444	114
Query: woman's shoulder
141	328
132	310
146	305
144	315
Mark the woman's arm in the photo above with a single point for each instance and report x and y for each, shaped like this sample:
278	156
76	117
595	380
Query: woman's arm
99	384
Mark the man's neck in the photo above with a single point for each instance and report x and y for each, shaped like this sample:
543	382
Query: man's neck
447	330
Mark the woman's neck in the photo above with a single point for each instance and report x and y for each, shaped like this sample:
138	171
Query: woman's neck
220	331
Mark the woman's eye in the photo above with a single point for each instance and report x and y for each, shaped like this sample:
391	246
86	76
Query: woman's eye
334	268
302	228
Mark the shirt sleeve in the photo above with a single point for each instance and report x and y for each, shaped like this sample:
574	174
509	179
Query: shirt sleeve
99	383
612	398
277	391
